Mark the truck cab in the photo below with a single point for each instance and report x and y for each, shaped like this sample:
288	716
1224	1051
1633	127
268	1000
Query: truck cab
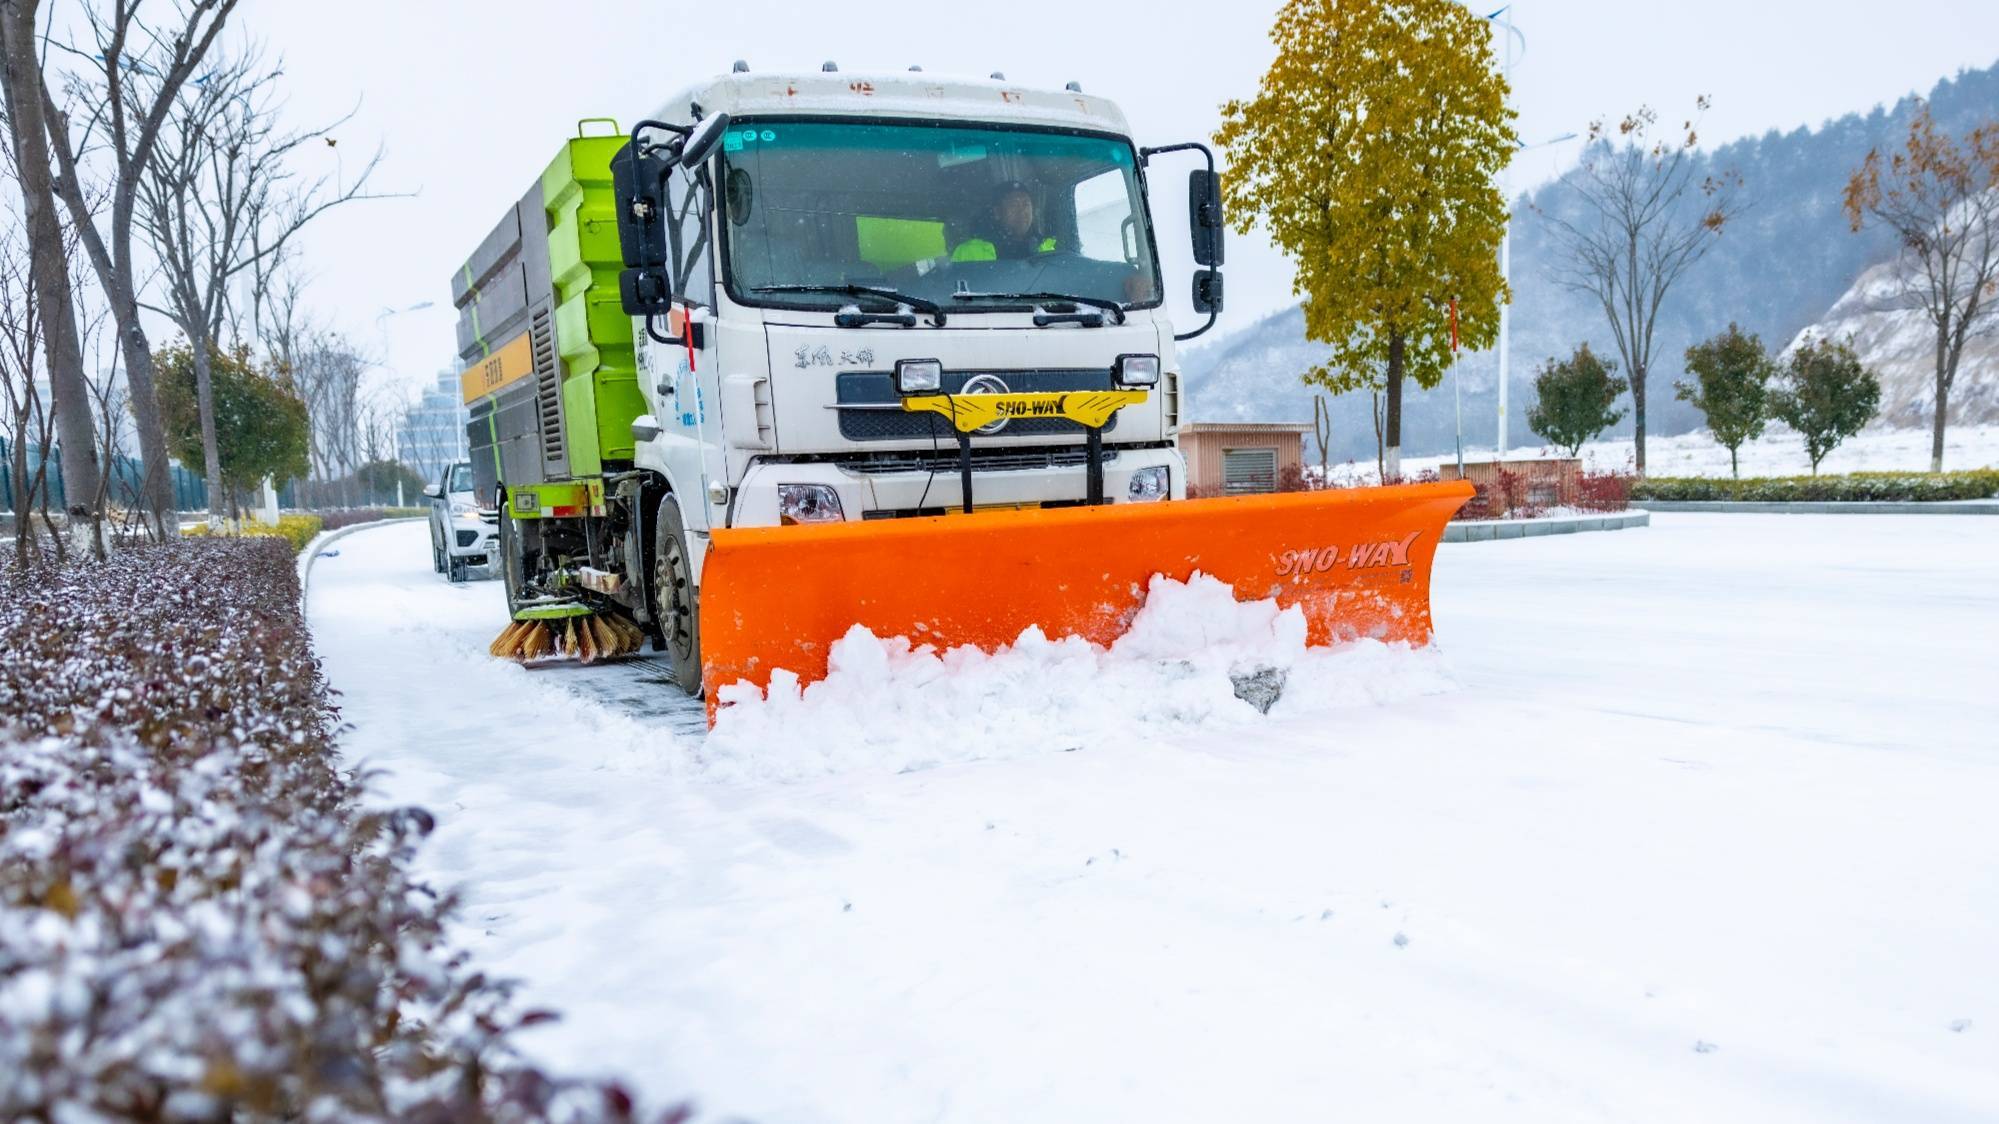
790	245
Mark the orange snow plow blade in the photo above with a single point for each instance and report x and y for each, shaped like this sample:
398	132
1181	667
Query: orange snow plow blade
1357	561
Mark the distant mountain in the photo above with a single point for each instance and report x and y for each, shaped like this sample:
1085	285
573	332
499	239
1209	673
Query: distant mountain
1777	269
1898	343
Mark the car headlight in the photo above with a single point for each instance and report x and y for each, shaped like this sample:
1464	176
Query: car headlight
1136	371
1148	484
808	503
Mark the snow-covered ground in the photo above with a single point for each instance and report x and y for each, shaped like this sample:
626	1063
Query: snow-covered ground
1779	452
1694	822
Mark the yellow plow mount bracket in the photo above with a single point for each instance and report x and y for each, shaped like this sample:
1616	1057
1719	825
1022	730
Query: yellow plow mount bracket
971	412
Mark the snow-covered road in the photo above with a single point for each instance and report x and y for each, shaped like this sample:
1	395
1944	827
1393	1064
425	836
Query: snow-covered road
1696	822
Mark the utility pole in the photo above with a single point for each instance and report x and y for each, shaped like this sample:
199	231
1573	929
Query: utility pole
1457	399
1503	18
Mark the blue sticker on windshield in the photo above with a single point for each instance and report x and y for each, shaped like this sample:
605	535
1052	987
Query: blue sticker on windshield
732	142
769	135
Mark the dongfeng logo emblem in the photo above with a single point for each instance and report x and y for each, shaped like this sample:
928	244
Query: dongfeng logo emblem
987	384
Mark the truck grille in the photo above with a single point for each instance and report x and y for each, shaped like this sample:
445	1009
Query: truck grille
994	460
869	391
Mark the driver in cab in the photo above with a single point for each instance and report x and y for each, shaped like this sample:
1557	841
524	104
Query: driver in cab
1010	229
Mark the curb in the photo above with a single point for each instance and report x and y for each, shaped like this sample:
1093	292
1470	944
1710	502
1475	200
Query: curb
1490	530
326	538
1827	507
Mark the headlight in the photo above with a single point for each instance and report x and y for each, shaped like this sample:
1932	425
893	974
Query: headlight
918	376
808	503
1149	484
1136	370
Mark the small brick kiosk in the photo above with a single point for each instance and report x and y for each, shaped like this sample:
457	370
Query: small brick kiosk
1538	483
1241	458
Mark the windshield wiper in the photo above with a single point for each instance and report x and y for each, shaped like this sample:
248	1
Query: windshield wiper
1114	308
935	310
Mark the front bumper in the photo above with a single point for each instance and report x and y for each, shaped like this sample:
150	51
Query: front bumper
888	489
474	540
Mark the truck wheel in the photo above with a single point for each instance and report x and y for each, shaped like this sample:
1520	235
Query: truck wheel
675	601
512	570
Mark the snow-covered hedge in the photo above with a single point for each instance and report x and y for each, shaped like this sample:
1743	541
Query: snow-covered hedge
199	919
1859	487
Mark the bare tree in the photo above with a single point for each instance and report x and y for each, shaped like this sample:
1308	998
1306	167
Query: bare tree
20	75
220	198
111	408
30	424
130	75
330	380
1647	217
326	371
1941	199
1322	428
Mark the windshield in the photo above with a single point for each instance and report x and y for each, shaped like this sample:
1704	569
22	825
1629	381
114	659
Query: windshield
955	215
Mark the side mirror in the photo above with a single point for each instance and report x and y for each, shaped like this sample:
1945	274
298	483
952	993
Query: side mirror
645	288
433	491
702	141
1208	290
645	292
636	182
1204	216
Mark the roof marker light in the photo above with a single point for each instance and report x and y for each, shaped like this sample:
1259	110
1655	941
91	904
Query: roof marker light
830	67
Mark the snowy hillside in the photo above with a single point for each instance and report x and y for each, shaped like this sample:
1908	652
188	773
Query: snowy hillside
1776	269
1898	342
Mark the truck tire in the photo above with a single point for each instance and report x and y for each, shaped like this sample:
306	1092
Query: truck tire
511	567
677	607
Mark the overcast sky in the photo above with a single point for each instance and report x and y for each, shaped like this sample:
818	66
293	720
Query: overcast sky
470	99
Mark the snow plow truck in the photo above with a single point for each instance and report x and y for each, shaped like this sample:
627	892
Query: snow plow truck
806	351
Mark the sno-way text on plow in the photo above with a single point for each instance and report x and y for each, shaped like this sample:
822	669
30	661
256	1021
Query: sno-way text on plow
1361	556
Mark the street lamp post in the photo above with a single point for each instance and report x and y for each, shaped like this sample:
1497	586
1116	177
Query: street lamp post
382	323
1503	18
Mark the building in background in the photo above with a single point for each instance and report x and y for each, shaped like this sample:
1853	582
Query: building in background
1240	458
432	434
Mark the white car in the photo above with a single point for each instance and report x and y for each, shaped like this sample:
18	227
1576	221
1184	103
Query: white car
463	536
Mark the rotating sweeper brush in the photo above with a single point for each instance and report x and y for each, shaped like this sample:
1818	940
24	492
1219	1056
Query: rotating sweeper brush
567	631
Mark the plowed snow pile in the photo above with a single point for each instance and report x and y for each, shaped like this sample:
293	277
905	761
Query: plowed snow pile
886	702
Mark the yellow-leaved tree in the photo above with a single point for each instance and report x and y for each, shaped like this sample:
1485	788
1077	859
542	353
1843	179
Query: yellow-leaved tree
1369	153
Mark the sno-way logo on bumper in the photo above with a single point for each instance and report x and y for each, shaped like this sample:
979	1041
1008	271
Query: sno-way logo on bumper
1360	556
